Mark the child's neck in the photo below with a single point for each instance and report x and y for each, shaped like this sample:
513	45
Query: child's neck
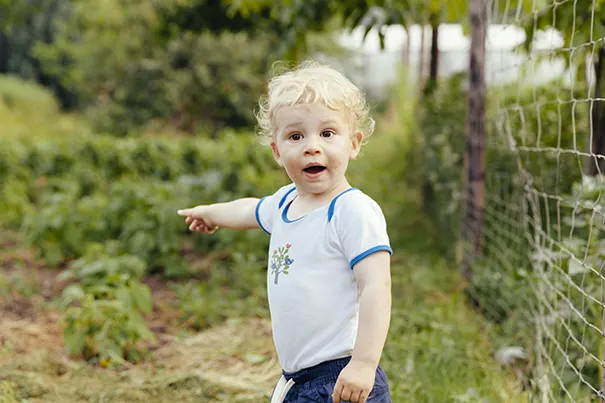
306	202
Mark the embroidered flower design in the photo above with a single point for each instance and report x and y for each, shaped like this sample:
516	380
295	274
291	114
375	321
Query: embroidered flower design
281	262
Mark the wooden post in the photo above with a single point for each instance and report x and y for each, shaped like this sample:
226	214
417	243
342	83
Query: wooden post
474	156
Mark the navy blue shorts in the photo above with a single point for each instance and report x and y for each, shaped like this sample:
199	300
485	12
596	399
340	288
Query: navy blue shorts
316	384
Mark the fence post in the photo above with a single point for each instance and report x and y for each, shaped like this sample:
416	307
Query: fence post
474	156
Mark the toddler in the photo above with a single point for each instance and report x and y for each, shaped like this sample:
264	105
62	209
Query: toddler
328	274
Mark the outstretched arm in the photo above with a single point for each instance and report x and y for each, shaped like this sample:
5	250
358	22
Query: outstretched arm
236	214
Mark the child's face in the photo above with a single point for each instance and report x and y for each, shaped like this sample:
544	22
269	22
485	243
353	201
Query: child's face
314	144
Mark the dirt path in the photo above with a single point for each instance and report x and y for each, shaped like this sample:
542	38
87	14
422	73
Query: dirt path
228	363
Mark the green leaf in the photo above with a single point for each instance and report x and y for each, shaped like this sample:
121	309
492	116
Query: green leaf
74	340
73	292
123	294
139	328
142	296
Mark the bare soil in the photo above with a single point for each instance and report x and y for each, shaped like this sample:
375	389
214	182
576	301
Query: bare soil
233	362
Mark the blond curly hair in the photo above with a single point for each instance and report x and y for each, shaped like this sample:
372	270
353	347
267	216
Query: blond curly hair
312	82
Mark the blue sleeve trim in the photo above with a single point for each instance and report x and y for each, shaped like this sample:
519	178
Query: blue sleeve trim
256	213
368	252
333	203
283	199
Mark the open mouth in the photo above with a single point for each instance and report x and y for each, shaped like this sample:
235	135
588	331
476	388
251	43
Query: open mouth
314	169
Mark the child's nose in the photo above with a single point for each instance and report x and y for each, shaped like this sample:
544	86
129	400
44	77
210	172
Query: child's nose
312	146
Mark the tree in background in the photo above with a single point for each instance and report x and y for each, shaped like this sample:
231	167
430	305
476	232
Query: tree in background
23	24
132	63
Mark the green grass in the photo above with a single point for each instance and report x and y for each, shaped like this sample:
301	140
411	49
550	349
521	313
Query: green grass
437	350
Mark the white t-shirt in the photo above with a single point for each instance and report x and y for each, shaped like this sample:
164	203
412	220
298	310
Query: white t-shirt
313	296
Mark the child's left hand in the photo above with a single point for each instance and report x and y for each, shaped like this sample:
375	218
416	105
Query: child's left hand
355	382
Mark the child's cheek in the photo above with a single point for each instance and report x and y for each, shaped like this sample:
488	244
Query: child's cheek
290	163
291	167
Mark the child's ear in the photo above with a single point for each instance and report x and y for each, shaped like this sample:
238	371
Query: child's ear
356	140
276	154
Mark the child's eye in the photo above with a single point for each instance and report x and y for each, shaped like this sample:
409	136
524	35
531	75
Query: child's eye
327	133
295	136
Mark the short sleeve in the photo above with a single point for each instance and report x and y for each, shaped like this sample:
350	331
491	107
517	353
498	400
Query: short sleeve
267	207
361	227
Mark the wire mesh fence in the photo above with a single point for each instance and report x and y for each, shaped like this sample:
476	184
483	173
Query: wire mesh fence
542	265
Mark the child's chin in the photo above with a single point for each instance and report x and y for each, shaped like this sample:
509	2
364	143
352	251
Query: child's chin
314	188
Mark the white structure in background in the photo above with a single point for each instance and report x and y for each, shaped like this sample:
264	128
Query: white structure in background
375	69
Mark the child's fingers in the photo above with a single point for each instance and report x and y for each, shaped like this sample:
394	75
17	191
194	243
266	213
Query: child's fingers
355	395
203	227
189	219
196	224
200	227
336	394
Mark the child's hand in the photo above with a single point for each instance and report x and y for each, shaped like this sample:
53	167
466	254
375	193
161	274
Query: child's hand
355	382
198	219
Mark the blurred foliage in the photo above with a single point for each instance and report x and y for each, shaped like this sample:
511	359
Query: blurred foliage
128	74
155	65
27	98
294	18
29	109
104	320
67	192
23	24
519	122
580	23
231	290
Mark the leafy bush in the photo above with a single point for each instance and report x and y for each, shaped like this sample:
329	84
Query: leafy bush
104	321
67	193
105	330
442	124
